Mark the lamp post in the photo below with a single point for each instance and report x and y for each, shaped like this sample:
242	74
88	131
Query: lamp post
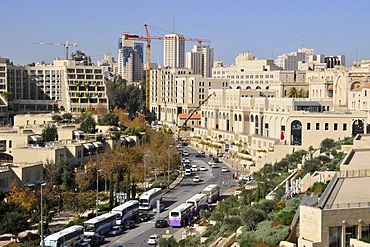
145	155
97	191
168	170
42	221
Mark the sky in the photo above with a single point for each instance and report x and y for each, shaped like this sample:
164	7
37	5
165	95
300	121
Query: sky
265	28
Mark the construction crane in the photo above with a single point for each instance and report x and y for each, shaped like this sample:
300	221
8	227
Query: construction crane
65	44
183	126
148	38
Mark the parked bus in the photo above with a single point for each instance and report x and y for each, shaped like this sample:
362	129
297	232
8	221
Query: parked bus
126	211
100	224
71	236
148	200
181	215
199	201
212	191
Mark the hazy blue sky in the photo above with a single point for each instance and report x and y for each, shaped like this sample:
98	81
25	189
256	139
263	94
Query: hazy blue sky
265	28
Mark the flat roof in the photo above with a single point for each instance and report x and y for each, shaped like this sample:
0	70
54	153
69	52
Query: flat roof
349	192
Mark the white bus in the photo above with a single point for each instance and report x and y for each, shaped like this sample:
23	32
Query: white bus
181	215
100	224
199	201
148	200
71	236
126	211
212	191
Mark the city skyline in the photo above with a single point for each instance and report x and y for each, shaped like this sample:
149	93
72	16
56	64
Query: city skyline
267	29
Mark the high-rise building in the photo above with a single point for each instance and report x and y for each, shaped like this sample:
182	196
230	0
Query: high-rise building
130	60
200	60
174	51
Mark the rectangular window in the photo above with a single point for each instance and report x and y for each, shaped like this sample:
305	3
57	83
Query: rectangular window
308	126
344	127
317	126
326	126
335	126
10	144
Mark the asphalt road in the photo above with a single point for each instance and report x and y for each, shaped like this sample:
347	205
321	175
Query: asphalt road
187	188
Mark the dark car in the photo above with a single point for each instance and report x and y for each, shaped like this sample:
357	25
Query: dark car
161	223
144	217
129	224
96	240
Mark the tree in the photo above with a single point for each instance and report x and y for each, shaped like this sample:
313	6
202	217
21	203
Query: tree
327	144
110	119
22	195
79	202
67	117
49	133
14	219
88	124
57	118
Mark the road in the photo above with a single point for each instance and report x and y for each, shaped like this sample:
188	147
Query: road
187	188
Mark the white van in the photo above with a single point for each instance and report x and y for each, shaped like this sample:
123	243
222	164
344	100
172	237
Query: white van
187	172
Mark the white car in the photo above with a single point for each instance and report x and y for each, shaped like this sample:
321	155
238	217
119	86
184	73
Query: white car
153	239
187	172
194	168
212	163
185	153
196	179
224	169
203	168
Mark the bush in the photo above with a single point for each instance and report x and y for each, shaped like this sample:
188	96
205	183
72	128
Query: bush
269	234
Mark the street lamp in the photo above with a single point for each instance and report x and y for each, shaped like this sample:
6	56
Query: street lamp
145	155
97	191
42	221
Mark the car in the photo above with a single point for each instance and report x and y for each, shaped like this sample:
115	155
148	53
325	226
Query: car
153	239
224	169
117	245
187	172
185	153
212	163
198	156
179	145
194	168
144	217
161	223
201	152
96	240
116	230
129	224
196	179
85	245
187	167
203	168
161	208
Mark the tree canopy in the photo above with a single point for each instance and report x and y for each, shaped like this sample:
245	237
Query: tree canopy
88	124
49	133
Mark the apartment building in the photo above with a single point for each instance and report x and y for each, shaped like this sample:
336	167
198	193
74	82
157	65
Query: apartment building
47	87
174	51
250	73
200	60
179	91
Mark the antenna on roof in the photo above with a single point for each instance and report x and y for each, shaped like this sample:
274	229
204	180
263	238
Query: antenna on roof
173	24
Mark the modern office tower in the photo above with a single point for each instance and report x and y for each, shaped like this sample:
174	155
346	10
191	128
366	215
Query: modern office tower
130	60
200	60
174	51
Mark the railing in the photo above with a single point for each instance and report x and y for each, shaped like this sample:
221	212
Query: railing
348	205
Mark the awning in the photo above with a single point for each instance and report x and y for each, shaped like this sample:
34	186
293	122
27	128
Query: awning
78	132
88	146
36	138
98	144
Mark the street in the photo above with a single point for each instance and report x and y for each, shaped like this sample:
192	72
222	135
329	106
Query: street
187	188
